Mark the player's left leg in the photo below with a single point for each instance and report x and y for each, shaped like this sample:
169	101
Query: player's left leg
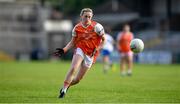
130	63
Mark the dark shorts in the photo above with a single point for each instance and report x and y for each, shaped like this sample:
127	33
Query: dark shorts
105	52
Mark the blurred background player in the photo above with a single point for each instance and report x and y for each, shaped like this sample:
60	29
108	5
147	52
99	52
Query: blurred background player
87	39
107	50
123	45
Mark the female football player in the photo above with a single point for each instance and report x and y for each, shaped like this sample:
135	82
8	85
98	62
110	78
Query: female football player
123	45
87	39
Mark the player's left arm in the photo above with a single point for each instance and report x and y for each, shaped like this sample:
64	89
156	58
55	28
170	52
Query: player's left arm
100	31
102	42
99	47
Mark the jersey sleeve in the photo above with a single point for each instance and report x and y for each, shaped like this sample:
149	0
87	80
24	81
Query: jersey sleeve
99	29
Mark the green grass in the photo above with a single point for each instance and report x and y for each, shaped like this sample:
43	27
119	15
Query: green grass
39	82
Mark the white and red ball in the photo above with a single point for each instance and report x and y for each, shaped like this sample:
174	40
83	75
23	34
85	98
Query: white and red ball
137	45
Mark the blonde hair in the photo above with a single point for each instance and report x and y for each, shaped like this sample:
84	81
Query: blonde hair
86	10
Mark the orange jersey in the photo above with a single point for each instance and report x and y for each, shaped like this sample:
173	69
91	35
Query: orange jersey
87	38
124	40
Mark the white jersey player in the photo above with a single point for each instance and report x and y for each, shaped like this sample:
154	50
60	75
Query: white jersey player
106	51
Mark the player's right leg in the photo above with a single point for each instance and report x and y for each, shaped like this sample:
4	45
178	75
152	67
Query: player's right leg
85	66
123	66
76	62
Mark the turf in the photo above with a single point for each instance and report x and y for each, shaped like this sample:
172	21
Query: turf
39	82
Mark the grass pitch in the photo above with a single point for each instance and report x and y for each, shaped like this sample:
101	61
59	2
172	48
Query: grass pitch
39	82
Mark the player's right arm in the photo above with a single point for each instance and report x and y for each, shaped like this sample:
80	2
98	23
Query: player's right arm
69	45
60	51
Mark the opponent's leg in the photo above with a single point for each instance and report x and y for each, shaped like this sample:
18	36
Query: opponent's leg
106	63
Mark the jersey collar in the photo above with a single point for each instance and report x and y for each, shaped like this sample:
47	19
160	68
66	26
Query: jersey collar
85	26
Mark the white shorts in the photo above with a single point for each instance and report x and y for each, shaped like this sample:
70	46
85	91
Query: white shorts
87	60
125	54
